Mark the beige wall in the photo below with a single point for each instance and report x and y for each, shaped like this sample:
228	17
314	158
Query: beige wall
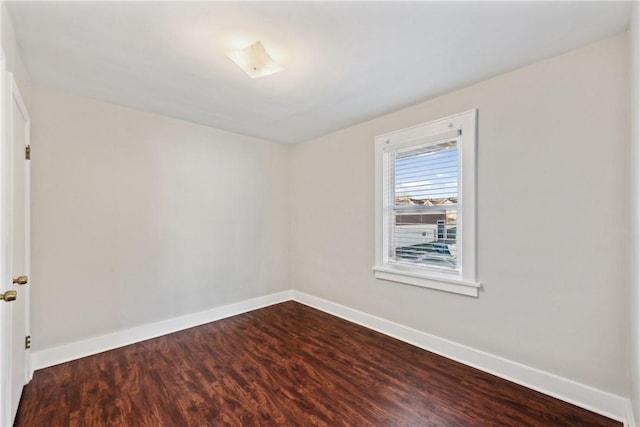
634	283
552	217
138	218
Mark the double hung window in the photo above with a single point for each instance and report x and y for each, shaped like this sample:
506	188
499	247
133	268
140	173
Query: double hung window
425	205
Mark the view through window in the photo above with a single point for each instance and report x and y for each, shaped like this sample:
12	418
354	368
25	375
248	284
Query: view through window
425	204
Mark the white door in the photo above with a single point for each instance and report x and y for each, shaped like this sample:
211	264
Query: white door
19	254
15	242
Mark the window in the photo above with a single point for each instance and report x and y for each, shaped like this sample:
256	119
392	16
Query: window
425	205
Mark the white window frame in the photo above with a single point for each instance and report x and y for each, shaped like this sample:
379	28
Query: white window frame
462	280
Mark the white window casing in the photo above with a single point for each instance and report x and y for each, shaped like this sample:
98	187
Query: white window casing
409	186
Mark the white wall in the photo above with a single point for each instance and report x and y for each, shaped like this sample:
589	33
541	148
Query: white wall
634	300
139	218
13	58
552	162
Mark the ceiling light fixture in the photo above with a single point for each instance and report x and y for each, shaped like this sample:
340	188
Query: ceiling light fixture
255	61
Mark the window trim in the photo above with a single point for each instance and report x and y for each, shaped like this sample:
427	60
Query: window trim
464	281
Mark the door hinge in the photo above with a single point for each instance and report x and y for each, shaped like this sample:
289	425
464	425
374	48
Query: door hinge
27	342
27	152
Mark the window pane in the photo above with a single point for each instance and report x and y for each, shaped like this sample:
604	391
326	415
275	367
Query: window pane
426	205
426	238
428	175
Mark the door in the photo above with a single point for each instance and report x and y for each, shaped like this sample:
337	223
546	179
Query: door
19	255
15	244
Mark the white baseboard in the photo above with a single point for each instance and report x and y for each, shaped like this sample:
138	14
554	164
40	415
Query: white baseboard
78	349
584	396
607	404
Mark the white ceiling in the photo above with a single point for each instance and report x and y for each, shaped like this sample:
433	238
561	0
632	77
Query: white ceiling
345	62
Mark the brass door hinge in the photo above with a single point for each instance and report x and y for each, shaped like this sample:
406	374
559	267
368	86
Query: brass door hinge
27	342
27	152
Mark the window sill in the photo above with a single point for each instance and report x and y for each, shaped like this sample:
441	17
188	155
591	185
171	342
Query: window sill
441	282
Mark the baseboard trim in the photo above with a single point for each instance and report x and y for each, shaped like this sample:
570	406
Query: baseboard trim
584	396
78	349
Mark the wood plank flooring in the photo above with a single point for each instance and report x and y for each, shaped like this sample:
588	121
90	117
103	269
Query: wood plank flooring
288	365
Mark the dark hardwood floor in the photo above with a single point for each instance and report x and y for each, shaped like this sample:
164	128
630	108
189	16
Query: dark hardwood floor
287	364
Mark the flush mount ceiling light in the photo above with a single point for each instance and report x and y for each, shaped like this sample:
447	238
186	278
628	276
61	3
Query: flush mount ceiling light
255	61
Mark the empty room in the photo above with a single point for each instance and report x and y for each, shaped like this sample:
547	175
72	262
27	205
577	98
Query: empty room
364	213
